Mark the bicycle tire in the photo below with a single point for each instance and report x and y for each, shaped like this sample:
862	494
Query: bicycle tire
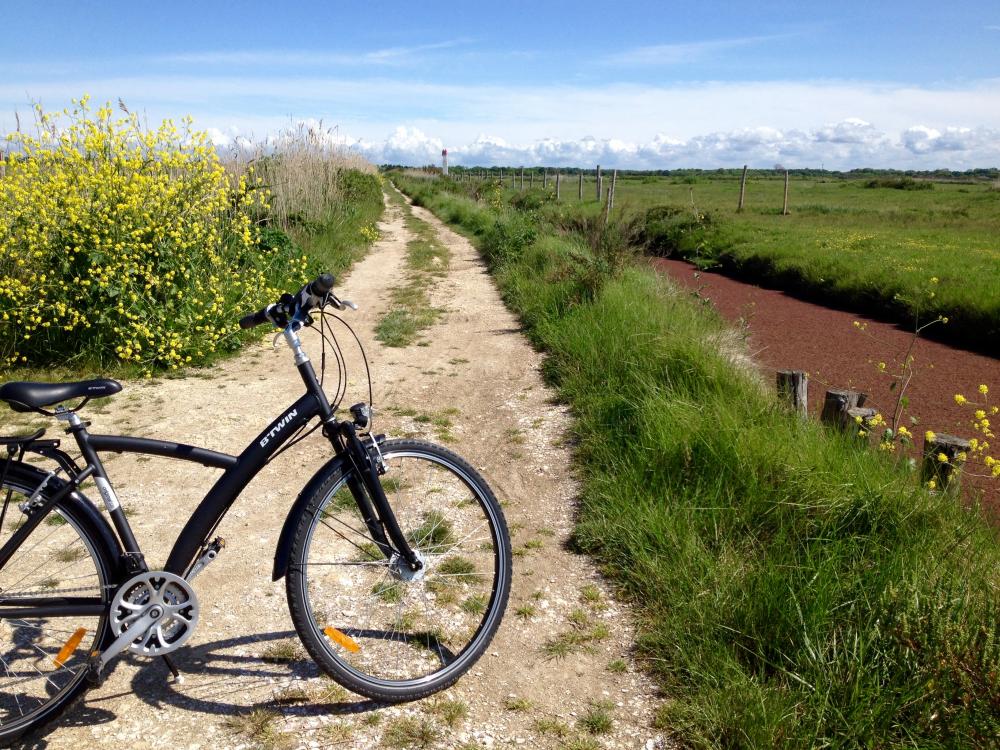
66	538
452	518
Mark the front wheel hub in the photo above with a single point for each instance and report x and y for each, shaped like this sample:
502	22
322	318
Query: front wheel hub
401	569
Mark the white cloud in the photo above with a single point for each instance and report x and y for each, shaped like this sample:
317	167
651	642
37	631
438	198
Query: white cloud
841	124
299	58
842	145
683	52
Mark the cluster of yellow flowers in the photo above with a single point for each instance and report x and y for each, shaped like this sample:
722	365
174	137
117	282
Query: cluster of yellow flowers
979	447
370	233
124	242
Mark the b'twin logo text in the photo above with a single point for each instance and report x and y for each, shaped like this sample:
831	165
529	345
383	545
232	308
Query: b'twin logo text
278	427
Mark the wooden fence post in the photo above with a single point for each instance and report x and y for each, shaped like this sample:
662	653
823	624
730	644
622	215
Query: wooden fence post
857	418
614	182
836	405
558	175
531	178
793	388
545	178
784	208
743	187
945	474
501	176
580	197
607	207
599	183
522	179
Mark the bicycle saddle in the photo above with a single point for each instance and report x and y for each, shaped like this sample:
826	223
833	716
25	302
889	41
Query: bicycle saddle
23	396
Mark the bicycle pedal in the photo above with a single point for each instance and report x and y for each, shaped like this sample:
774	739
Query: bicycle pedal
95	669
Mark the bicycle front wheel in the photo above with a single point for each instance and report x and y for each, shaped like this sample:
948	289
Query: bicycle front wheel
376	628
62	563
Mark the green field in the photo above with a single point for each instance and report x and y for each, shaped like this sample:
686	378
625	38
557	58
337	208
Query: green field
869	249
792	589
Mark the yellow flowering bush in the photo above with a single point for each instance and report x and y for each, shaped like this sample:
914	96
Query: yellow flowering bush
121	242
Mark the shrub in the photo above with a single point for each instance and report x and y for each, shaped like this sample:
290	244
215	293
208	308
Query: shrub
899	183
671	230
510	235
119	242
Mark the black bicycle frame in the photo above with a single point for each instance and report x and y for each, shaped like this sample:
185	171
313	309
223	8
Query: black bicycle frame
238	472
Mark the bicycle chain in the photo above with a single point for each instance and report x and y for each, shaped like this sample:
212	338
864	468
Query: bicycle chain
48	592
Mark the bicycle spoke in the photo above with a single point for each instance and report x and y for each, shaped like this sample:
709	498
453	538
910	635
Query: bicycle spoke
41	665
407	624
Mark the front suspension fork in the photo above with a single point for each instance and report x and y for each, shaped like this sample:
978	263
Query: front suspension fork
367	489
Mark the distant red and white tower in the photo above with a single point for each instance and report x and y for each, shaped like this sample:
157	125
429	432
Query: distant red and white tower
444	161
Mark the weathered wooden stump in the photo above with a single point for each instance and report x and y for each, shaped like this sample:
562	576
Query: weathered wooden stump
793	388
836	405
946	474
858	417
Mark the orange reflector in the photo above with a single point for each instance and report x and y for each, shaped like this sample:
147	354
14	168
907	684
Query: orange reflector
342	639
66	651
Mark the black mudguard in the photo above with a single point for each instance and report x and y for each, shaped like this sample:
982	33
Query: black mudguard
284	549
87	511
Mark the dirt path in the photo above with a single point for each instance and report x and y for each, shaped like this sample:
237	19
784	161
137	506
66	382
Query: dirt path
473	366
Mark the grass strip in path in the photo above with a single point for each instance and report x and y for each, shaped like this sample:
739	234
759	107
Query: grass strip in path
426	262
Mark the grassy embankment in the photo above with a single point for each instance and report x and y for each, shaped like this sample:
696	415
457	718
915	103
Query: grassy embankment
855	243
794	589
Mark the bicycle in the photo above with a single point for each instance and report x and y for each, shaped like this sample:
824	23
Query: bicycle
395	554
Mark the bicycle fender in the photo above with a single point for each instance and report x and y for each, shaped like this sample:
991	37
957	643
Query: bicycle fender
284	548
88	511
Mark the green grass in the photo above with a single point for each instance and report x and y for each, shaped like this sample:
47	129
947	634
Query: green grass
793	590
873	250
598	718
843	243
410	732
411	312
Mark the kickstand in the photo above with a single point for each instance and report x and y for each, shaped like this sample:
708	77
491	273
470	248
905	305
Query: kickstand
178	677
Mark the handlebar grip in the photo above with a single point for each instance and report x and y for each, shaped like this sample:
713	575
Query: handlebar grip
254	319
322	285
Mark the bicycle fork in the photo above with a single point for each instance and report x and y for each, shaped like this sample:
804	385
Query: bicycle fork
374	506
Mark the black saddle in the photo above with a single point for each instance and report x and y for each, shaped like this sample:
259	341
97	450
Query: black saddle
33	396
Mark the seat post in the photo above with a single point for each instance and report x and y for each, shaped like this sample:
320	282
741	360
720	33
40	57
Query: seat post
78	429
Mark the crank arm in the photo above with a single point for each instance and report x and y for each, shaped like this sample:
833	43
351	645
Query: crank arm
138	629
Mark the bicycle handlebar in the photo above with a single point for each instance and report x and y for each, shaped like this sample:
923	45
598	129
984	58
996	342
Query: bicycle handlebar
309	296
255	319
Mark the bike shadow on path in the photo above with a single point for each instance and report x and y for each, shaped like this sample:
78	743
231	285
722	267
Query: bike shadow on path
224	678
221	678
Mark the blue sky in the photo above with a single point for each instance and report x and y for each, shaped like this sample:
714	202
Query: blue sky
629	84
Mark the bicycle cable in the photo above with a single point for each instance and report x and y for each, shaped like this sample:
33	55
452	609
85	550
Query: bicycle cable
341	390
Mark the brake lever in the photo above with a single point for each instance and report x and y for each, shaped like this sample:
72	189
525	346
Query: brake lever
342	304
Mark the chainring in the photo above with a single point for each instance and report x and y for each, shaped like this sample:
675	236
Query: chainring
156	589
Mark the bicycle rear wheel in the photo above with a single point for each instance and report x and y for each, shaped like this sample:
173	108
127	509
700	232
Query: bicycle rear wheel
43	659
378	629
